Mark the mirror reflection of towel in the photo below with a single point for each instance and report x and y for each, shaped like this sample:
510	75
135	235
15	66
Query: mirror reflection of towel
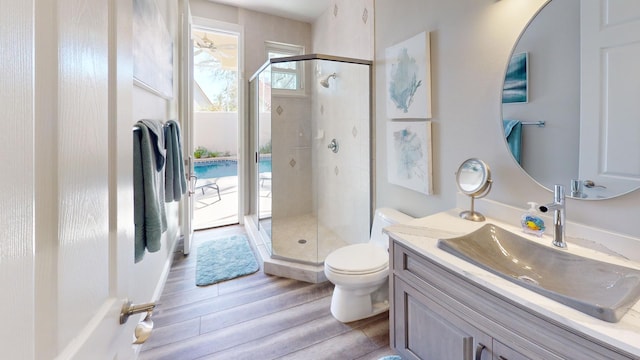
513	134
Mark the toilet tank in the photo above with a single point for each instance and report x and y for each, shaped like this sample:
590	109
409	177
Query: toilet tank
383	218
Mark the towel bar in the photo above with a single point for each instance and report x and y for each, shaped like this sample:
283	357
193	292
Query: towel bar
537	123
137	128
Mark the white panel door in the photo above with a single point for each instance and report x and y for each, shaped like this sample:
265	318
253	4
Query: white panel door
92	198
67	217
610	81
17	183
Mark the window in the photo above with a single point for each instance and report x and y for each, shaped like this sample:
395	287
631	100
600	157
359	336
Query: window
287	76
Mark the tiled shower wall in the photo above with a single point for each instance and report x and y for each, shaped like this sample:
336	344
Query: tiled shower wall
342	111
345	29
291	155
342	179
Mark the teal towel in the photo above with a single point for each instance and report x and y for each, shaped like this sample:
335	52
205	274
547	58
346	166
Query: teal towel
156	138
513	134
156	131
175	180
148	208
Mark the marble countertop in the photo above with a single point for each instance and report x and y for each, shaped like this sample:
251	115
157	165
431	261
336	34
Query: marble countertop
421	235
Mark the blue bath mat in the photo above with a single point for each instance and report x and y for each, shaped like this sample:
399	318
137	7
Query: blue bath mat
391	357
224	259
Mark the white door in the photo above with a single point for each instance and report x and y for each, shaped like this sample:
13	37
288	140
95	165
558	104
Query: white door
610	80
186	119
66	197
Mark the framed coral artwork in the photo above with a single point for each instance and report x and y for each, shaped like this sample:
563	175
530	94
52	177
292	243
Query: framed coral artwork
152	50
409	155
408	82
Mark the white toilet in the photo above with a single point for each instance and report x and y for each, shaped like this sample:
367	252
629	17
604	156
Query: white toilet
360	272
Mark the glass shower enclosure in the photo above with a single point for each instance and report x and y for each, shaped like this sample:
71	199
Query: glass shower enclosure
310	121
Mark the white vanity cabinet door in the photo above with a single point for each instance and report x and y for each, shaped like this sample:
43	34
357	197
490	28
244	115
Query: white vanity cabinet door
425	330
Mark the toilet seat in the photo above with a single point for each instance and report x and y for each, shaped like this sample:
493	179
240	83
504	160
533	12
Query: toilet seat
357	259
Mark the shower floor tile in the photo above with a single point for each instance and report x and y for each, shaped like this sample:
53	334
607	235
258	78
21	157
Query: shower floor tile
297	237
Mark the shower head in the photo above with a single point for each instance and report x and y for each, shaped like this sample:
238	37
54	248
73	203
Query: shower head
325	82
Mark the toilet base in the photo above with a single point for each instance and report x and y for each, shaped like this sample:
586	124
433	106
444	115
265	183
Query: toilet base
347	306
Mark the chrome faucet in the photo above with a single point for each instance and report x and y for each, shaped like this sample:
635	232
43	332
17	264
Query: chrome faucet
558	215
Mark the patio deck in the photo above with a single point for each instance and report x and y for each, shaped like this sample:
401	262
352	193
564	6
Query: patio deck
209	211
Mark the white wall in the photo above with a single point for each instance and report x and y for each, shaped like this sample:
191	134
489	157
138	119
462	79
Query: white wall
212	130
471	42
149	273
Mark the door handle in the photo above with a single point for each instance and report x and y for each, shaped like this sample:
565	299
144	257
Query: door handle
129	308
143	329
192	184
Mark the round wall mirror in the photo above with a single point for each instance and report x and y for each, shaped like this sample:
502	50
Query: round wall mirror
563	122
473	179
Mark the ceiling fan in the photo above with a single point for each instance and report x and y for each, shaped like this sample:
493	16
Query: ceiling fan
203	43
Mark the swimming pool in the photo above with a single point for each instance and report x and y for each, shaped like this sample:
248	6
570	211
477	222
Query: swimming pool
219	168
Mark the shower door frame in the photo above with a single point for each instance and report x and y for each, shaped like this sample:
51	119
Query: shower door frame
311	57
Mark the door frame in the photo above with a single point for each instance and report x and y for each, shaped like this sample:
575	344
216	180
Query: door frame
186	120
243	128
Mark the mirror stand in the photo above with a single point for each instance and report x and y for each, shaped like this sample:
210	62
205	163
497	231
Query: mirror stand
472	215
474	180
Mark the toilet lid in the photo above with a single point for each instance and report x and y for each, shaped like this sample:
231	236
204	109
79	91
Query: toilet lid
358	259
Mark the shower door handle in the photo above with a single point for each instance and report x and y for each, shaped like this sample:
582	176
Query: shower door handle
333	146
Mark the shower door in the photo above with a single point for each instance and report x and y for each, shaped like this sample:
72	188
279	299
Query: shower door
312	173
342	154
320	193
260	120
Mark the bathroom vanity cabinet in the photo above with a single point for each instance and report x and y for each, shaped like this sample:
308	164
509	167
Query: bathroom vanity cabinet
438	314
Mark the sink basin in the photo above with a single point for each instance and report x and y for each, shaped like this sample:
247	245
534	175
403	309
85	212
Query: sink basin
603	290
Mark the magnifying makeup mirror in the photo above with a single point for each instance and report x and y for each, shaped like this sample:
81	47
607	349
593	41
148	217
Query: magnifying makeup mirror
474	179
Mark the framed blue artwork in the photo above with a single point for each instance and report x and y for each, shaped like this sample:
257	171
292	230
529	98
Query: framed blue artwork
408	83
152	49
516	82
409	156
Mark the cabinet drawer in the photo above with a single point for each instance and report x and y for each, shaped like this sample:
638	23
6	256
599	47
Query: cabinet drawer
410	266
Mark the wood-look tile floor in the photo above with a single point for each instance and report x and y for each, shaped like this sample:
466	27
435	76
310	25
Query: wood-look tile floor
257	316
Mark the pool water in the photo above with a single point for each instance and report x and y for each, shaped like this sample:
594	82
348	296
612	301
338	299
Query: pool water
221	168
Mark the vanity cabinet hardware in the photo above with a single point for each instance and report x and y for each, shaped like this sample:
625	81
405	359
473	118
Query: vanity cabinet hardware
479	349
